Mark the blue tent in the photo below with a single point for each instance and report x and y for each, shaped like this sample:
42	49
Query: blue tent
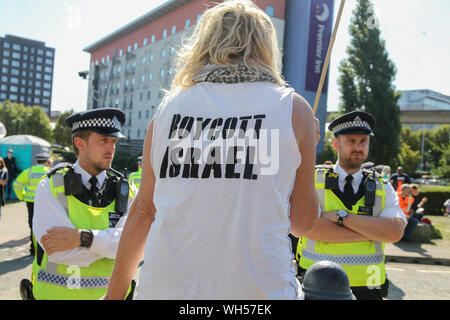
25	148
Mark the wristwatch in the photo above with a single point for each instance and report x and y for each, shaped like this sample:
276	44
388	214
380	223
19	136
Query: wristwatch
342	214
86	238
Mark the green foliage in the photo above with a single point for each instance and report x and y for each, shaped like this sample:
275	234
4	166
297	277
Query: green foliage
61	132
409	159
366	83
328	154
436	198
19	119
124	160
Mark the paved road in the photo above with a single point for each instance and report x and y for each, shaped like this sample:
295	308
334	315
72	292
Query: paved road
408	281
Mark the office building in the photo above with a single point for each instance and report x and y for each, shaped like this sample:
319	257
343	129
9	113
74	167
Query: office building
26	72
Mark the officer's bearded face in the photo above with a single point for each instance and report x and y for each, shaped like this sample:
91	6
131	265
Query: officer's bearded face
98	152
352	149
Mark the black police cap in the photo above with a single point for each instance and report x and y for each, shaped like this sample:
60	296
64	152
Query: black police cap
355	122
105	121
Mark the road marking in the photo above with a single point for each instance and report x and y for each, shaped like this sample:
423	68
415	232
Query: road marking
394	269
432	271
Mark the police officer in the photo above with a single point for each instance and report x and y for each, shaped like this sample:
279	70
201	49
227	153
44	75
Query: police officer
25	187
359	212
80	212
136	176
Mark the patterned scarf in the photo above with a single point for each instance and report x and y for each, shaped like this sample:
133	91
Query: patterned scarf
226	74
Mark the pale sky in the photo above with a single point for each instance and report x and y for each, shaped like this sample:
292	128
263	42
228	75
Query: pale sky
416	34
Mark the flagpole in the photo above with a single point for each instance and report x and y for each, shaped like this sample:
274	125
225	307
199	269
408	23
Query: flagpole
327	60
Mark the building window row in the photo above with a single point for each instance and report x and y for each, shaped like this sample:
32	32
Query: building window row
18	47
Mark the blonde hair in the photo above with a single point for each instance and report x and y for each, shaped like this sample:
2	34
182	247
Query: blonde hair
230	32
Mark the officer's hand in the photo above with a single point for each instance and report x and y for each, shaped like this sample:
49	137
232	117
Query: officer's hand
317	123
60	239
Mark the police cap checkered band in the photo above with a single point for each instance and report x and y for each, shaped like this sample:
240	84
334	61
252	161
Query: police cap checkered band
356	122
106	121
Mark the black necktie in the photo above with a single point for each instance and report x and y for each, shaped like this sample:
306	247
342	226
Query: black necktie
94	190
348	189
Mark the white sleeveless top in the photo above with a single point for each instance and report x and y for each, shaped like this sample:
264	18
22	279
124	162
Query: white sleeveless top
225	158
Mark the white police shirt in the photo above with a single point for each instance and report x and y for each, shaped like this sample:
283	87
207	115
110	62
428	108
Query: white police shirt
49	213
391	208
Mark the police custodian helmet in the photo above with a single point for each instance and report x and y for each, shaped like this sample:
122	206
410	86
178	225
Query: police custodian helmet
105	121
355	122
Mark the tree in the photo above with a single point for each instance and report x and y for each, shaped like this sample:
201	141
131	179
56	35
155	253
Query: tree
62	133
366	83
409	159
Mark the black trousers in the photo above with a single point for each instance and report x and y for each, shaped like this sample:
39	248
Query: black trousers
30	206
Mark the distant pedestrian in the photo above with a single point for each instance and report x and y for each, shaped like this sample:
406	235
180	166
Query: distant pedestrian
417	205
25	187
398	179
447	208
3	182
13	171
386	173
135	177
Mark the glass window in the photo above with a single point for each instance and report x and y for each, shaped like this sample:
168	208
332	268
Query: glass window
4	70
103	60
150	76
17	47
163	53
174	29
46	101
6	53
14	80
148	96
144	59
143	78
14	88
32	58
40	52
33	50
161	73
270	11
135	46
48	69
5	61
49	54
153	38
38	67
25	57
120	52
4	87
25	48
129	48
38	75
4	78
172	51
23	82
47	77
199	16
16	55
46	93
138	131
24	73
37	92
164	33
38	84
15	63
37	100
15	72
39	60
188	23
49	61
152	57
31	66
3	96
145	42
6	45
24	65
13	97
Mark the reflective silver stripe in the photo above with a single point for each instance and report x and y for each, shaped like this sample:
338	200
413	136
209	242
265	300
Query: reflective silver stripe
376	210
37	175
137	181
344	259
320	178
58	181
376	258
61	280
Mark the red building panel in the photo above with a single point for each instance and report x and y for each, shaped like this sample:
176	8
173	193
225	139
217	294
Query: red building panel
178	18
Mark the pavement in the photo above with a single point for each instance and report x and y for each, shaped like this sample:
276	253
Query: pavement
436	252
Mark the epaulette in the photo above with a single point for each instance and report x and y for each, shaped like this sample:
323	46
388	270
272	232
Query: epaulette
58	168
324	167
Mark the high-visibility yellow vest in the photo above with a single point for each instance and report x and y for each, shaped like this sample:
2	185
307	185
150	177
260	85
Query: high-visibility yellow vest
363	261
26	183
135	178
53	281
